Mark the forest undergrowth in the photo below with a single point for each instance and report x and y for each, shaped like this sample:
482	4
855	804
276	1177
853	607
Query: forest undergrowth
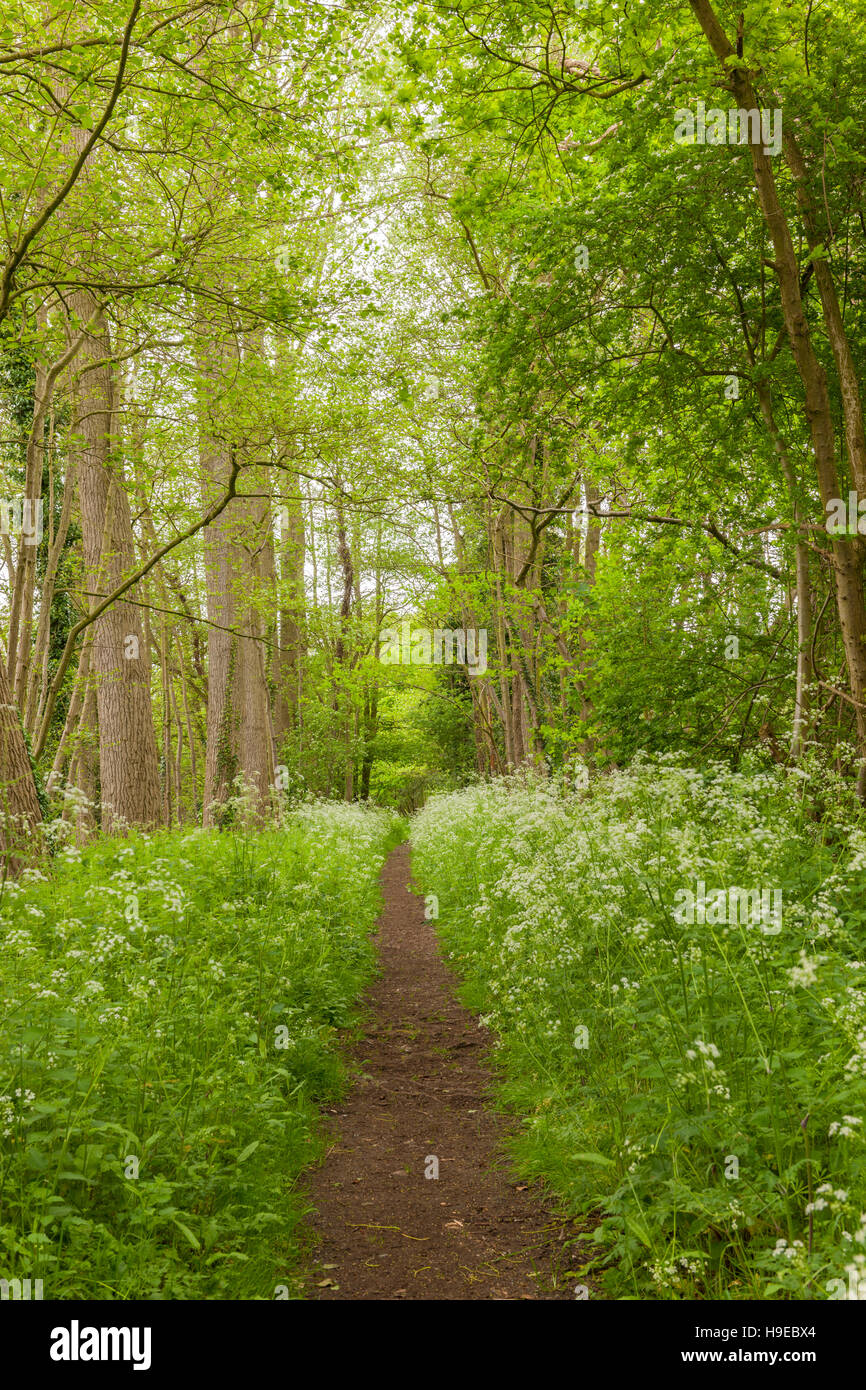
169	1021
673	964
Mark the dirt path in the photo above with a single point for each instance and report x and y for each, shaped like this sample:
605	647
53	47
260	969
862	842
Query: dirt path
385	1231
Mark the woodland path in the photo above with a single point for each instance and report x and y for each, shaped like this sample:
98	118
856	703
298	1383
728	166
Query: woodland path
385	1231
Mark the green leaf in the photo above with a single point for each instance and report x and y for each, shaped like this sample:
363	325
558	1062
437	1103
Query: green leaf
193	1240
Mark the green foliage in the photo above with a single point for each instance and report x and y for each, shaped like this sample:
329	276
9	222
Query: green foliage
713	1109
175	1000
682	655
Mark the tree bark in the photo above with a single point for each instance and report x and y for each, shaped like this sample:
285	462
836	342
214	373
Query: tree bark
239	728
120	659
288	657
19	804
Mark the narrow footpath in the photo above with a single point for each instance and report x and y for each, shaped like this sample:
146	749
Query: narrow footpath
385	1230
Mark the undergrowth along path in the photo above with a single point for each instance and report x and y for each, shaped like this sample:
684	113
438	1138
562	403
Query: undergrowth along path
420	1104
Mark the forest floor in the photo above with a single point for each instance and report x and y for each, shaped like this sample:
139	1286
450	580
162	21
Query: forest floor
383	1230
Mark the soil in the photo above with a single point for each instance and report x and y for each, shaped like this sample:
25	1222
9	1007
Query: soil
384	1230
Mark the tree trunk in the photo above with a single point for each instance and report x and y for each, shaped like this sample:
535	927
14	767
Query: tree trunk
73	713
288	657
19	803
120	659
239	727
800	723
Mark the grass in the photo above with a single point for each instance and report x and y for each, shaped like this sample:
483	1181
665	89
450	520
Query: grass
168	1018
700	1083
